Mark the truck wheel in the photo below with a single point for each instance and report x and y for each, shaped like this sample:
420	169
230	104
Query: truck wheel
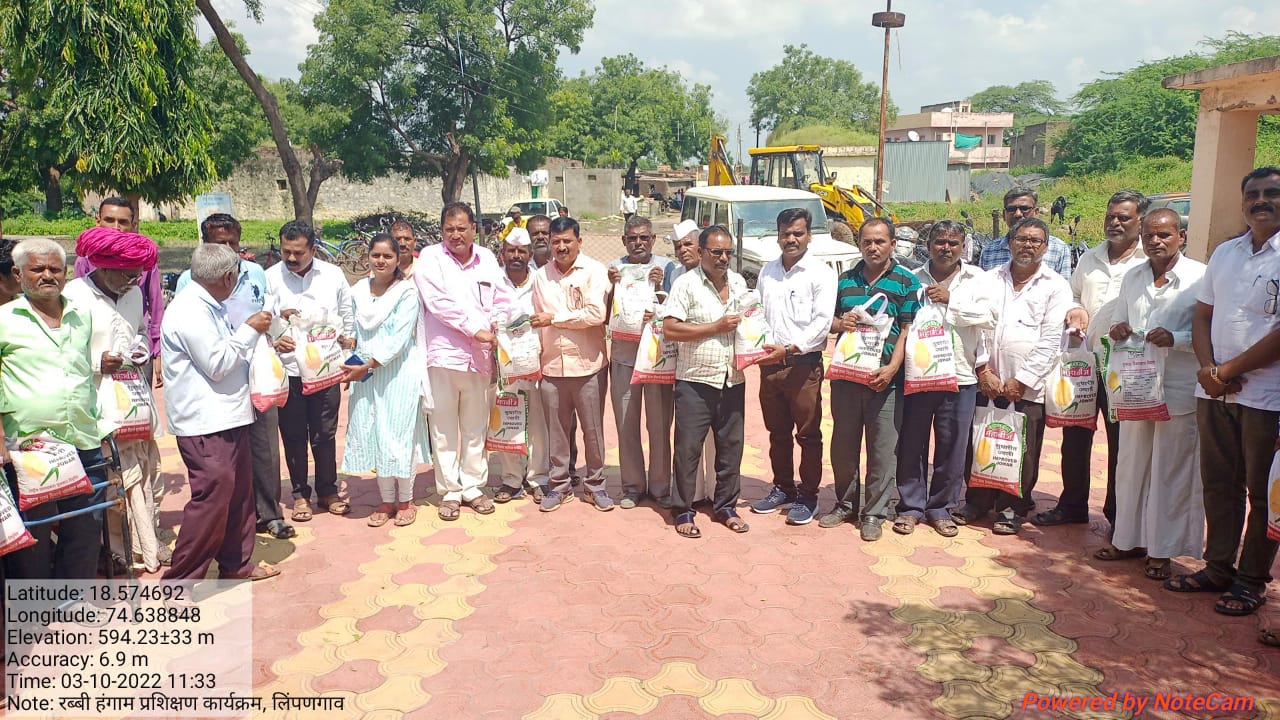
841	231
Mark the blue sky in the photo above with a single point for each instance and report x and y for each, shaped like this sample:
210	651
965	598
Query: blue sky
948	50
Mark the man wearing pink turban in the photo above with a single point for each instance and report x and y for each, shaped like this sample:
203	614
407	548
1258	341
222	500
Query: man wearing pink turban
120	351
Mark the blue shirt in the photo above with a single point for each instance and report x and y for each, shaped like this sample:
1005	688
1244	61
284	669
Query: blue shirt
250	294
1057	257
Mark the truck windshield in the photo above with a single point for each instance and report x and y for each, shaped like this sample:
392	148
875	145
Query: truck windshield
760	218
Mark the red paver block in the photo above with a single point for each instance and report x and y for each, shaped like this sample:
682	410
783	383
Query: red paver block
358	676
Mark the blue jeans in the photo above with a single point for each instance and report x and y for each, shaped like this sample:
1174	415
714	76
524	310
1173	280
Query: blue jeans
950	415
75	556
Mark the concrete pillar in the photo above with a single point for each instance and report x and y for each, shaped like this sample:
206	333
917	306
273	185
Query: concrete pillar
1226	143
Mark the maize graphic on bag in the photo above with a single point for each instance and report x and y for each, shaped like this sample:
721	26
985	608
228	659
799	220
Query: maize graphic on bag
859	351
519	351
509	423
1135	379
1273	497
268	385
319	355
13	533
998	449
47	469
752	334
930	352
633	296
124	399
1071	396
656	359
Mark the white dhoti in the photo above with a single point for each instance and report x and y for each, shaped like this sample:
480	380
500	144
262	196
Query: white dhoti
518	470
705	487
459	423
139	473
1159	498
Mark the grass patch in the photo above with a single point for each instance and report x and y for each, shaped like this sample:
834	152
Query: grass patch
254	233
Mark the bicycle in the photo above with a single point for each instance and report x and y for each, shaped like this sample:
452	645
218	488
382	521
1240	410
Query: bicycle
350	254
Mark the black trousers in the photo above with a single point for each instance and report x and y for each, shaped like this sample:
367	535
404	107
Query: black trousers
264	441
986	499
1077	452
75	555
701	408
311	420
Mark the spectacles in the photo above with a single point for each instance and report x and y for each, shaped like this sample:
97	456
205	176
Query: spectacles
721	253
1029	240
1016	209
641	238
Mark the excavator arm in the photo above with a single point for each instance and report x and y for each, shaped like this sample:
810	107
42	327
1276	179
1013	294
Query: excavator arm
719	171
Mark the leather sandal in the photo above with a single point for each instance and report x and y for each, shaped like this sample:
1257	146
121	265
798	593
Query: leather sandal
685	526
381	515
1111	552
301	510
735	523
905	524
481	504
406	516
334	504
449	510
945	527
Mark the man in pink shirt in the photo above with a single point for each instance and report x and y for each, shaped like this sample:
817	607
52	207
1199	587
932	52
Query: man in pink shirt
570	295
463	294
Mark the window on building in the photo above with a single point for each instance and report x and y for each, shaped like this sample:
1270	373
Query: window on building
991	139
282	184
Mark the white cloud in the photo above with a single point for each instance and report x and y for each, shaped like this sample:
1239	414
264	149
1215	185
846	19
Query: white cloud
948	49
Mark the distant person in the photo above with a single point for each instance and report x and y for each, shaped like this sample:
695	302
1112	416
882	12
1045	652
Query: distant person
562	211
407	244
10	287
628	205
512	221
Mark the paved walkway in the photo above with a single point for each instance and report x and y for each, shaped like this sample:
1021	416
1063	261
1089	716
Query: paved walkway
582	614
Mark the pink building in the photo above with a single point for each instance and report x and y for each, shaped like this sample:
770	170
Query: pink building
976	138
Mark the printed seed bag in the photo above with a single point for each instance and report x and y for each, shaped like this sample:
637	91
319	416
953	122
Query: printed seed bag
509	423
752	333
124	400
858	352
319	354
633	296
1273	497
47	469
268	385
656	359
1135	379
930	352
13	534
998	449
1071	394
519	351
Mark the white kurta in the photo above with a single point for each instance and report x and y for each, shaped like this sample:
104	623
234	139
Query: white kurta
1159	498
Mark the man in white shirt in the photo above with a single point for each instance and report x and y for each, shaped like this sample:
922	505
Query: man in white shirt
1031	303
1236	337
304	284
1095	284
951	284
628	205
521	473
657	401
206	378
798	292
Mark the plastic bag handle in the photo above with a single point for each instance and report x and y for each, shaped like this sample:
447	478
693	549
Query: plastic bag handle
1066	337
883	311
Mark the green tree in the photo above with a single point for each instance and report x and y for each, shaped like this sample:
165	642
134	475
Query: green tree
806	88
1031	102
118	78
438	87
239	125
304	187
1130	114
625	112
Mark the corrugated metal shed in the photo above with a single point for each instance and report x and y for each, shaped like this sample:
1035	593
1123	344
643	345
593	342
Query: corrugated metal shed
915	171
958	182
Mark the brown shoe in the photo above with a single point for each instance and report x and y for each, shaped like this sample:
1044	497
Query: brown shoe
301	510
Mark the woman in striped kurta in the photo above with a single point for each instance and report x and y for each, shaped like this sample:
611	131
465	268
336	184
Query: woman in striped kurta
386	428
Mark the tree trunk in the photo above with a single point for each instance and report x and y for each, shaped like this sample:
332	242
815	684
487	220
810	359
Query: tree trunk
303	194
455	172
52	177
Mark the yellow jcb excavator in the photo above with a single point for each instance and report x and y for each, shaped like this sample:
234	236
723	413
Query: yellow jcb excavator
800	167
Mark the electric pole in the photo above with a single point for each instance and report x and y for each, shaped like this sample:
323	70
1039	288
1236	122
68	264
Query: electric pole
887	20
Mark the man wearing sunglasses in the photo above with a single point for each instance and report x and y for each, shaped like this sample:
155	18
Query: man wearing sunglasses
657	400
1235	334
1020	203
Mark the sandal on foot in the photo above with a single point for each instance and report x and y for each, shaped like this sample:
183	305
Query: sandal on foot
381	515
1157	568
301	510
1006	525
449	510
481	504
685	526
1111	552
735	523
1198	581
406	516
1269	637
334	504
507	494
905	524
537	493
1246	601
1055	516
945	527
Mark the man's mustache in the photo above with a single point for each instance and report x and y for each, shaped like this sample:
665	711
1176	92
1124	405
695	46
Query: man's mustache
1262	206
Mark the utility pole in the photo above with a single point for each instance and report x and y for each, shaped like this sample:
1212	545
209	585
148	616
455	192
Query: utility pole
739	158
887	20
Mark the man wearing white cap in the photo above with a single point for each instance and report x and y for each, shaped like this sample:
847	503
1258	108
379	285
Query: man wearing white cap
684	238
518	472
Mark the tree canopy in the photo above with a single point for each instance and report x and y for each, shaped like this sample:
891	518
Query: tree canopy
806	88
239	125
437	87
1129	114
1031	102
624	112
118	79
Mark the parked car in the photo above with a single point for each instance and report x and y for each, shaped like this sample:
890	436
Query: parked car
1179	202
538	206
758	207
